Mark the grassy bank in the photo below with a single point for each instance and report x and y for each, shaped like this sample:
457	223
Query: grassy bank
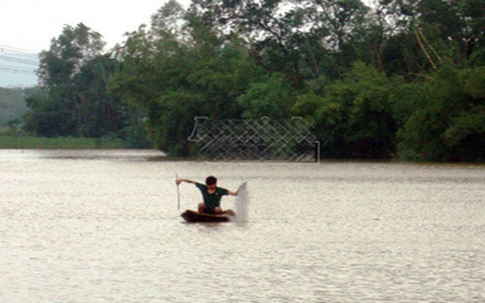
11	141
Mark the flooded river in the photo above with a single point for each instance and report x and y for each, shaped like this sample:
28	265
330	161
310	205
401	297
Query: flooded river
105	226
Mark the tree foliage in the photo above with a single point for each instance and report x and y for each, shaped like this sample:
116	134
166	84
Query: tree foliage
12	104
354	116
447	118
75	101
398	79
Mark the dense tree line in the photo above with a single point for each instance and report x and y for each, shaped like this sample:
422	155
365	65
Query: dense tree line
398	79
74	99
12	104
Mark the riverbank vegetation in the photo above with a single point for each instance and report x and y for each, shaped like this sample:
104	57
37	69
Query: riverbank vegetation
12	104
9	140
398	79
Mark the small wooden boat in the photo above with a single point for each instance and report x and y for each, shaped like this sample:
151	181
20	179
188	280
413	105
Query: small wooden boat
193	216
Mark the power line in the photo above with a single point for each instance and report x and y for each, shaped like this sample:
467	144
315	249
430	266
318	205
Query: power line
23	60
6	48
16	70
15	60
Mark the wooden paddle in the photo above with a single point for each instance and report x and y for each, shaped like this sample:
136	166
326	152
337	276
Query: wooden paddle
178	192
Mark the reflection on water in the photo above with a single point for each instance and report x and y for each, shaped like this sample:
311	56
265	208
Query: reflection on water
103	226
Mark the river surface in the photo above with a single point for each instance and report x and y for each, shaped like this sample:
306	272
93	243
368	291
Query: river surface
105	226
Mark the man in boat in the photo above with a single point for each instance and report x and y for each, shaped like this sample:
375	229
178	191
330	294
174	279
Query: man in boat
211	194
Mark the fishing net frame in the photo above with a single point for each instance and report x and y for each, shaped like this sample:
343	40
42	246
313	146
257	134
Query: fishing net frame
262	139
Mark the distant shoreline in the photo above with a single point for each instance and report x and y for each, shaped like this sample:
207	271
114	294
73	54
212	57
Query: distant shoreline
12	141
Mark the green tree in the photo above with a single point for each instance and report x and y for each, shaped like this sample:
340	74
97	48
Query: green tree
354	117
413	37
74	74
58	66
174	78
272	96
67	54
447	117
47	118
460	24
97	112
12	104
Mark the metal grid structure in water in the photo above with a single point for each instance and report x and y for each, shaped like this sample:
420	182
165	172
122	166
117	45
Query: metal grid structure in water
255	139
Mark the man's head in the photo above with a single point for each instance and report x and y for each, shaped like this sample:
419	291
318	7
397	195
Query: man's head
211	181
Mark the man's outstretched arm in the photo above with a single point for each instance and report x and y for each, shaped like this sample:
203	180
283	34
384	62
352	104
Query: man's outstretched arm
178	181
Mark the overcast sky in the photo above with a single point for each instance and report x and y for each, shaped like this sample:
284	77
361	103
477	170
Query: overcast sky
31	24
28	26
